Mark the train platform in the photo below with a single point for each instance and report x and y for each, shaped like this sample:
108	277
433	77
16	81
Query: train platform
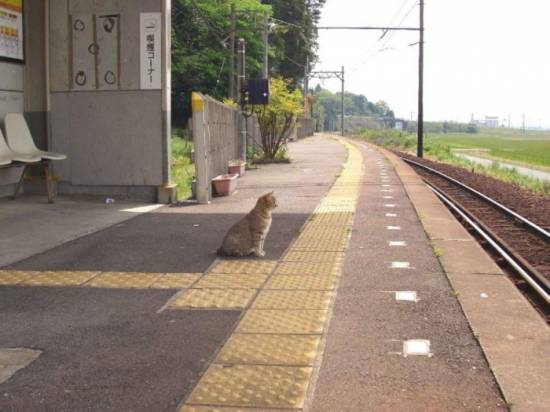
371	297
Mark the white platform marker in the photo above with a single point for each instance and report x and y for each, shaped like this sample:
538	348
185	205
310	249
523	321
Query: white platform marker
400	265
391	215
397	243
388	197
416	347
406	296
390	205
393	227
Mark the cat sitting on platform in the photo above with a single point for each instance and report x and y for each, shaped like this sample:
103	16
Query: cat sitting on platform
248	235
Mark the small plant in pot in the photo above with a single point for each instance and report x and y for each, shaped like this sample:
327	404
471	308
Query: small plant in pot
236	166
224	185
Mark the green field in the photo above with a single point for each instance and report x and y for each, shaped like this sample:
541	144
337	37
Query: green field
532	148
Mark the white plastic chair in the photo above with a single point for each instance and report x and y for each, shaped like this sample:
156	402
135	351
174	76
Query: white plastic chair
20	140
7	156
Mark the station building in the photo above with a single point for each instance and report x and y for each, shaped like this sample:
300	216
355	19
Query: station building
92	78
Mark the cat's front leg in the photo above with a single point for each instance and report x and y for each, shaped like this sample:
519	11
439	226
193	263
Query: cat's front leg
259	247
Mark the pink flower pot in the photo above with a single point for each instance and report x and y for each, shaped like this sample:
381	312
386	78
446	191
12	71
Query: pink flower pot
237	168
224	185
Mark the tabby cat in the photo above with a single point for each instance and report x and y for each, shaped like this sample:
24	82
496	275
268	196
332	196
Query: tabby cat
247	236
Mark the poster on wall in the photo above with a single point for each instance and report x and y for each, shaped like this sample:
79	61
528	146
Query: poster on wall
11	30
150	55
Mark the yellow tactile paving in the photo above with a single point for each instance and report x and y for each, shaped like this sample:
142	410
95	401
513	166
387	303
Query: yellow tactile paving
214	298
296	282
175	280
124	280
267	363
225	281
283	321
60	278
197	408
293	299
14	277
241	266
308	268
291	350
256	386
308	257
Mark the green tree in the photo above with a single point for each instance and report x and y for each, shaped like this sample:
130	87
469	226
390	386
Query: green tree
278	118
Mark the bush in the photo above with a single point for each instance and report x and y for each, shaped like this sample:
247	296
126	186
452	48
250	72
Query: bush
278	118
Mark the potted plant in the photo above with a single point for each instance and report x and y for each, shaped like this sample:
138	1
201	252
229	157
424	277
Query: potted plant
224	185
236	167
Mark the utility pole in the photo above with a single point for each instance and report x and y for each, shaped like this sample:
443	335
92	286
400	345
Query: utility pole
420	137
306	86
266	45
232	52
342	122
241	97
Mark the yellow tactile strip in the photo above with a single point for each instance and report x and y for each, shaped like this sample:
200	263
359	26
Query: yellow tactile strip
290	350
252	385
214	298
267	362
115	280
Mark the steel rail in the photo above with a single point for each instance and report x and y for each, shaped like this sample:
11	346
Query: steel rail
541	231
530	279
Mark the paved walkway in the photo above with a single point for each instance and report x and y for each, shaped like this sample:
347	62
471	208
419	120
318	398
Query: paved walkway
351	310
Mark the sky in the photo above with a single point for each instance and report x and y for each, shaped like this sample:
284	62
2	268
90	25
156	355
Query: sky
482	57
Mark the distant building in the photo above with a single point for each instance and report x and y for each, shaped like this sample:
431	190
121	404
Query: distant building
489	121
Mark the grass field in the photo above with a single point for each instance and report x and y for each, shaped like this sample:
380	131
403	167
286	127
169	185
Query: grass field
183	169
530	149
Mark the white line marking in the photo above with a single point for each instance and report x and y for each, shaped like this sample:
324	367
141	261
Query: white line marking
400	265
406	296
397	243
387	197
391	215
394	227
389	205
416	347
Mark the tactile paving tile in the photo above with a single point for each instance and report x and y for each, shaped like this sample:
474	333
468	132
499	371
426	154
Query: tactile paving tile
239	266
313	269
291	350
124	280
293	299
197	408
214	298
175	281
225	281
255	386
309	257
283	321
14	277
293	282
60	278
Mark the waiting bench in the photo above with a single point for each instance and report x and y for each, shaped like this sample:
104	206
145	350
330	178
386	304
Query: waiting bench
18	149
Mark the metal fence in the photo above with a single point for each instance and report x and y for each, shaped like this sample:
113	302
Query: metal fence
305	127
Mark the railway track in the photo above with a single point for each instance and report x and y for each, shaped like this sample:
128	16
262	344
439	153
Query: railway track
522	244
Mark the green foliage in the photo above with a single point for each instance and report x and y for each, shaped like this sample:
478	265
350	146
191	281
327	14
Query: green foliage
327	107
201	52
183	169
444	127
278	118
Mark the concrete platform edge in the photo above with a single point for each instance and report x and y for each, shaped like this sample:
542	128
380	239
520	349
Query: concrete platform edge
501	319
